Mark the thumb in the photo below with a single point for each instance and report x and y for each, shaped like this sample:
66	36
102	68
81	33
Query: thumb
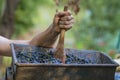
56	20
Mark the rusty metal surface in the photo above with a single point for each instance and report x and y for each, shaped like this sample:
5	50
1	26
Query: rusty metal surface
103	69
8	75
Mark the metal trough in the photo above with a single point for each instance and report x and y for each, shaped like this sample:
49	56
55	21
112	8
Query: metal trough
102	68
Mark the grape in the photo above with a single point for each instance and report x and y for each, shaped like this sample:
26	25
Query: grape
48	58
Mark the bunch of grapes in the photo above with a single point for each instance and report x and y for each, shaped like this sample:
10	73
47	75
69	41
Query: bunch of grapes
48	58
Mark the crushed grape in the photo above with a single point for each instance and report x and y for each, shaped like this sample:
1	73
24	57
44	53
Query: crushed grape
39	57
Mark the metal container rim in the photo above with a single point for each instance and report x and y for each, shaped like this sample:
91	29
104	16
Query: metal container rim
64	65
61	65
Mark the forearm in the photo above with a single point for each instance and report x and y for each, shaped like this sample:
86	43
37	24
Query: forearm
47	38
5	49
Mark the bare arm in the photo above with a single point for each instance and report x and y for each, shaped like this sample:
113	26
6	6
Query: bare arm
5	45
45	39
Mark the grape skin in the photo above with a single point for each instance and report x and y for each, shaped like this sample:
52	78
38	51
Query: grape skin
48	58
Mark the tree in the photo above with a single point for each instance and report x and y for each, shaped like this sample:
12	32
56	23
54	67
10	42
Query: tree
7	21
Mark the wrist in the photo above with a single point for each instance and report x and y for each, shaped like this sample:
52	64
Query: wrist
54	29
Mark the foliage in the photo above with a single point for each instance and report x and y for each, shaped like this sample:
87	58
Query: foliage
2	4
25	13
98	24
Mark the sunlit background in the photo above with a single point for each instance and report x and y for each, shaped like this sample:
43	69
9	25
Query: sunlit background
97	25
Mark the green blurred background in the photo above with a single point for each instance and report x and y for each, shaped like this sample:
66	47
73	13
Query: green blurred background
97	25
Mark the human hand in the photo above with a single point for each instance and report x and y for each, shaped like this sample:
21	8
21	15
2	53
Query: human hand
63	20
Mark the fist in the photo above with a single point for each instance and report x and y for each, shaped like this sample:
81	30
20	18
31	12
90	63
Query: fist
63	20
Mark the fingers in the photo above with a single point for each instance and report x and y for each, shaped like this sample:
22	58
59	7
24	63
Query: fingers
64	13
66	22
66	27
65	18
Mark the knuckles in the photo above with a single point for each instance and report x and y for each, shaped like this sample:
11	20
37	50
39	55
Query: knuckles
65	20
64	13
